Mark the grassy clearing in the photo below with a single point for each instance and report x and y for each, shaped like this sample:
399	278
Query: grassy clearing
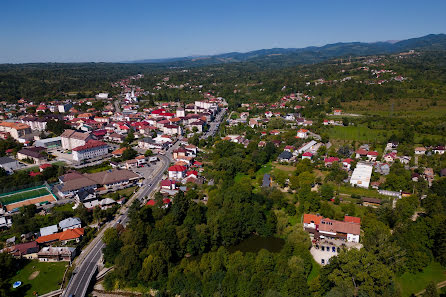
410	107
357	133
360	191
124	192
411	283
265	169
286	168
315	270
48	279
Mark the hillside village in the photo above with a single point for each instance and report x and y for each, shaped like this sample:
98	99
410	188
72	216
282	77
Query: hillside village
73	168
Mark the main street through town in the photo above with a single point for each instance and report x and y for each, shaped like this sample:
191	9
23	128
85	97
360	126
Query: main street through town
86	263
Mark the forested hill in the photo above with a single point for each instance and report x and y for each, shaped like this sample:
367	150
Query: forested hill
432	42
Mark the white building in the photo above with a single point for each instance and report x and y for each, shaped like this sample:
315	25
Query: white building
302	133
361	175
102	96
92	149
63	108
72	139
177	172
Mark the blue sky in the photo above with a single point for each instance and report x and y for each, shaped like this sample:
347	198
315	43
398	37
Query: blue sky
109	31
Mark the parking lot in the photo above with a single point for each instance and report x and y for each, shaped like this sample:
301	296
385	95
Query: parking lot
146	170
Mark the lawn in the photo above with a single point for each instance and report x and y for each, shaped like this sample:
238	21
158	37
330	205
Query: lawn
360	191
265	169
47	278
411	283
315	270
23	195
357	133
408	107
124	192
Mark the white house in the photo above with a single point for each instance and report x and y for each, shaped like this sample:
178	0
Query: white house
177	172
302	133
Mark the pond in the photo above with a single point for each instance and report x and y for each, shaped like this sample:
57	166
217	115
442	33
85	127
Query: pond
255	243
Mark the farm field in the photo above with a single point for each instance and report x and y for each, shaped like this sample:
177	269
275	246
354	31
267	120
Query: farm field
410	107
357	133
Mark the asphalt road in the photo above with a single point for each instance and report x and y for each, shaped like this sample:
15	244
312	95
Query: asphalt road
87	261
213	126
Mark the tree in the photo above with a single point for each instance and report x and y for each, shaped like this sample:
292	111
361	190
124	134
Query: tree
359	271
431	290
327	191
129	154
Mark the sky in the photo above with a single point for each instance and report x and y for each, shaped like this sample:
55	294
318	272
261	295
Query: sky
126	30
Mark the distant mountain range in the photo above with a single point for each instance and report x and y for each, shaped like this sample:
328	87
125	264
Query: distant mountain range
312	54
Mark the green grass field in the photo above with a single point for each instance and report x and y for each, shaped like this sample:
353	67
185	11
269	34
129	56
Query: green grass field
360	191
412	283
358	133
23	195
48	278
315	270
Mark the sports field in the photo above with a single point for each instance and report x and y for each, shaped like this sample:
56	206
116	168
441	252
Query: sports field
25	197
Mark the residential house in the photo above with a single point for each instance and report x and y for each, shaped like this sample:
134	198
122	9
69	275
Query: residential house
420	150
26	250
64	237
285	156
438	150
307	155
36	154
302	133
56	254
70	223
9	164
177	172
48	230
330	160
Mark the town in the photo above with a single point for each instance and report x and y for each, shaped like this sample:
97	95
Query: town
318	171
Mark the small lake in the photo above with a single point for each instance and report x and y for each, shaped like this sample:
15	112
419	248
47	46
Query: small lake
255	243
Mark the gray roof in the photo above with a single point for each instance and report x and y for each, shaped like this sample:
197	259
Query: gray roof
266	180
48	230
70	222
6	160
285	155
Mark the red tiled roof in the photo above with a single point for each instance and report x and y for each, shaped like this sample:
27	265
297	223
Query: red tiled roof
331	159
308	218
350	219
65	235
90	144
362	152
177	168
